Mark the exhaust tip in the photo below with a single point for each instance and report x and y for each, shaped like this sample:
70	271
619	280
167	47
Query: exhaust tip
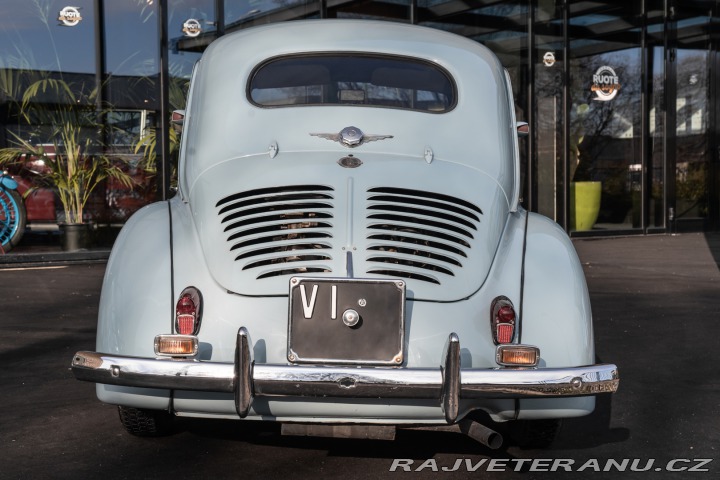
480	433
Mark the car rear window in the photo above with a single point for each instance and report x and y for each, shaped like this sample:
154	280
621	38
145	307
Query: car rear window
352	79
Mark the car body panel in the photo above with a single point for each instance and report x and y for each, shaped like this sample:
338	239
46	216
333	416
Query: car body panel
350	203
268	194
224	125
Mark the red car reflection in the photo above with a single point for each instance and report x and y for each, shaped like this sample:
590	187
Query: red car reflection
111	202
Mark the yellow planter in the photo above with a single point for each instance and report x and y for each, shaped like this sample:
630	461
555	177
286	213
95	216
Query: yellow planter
584	205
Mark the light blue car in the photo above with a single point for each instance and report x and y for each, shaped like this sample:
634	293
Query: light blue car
347	249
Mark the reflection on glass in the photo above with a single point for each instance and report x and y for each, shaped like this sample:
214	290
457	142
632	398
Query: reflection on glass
500	26
131	54
181	60
34	38
35	44
380	81
605	163
395	10
130	38
190	18
657	138
239	12
691	116
548	95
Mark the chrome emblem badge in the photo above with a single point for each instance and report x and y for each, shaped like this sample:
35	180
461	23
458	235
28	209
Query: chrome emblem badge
349	162
351	137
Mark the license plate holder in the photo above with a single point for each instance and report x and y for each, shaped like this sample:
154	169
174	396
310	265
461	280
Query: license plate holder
320	324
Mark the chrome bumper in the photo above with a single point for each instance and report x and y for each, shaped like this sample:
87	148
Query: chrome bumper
247	380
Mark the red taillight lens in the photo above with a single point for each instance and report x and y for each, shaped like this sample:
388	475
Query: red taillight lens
502	320
506	314
187	312
504	333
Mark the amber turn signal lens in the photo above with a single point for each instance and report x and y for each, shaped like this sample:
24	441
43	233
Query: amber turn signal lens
176	345
517	355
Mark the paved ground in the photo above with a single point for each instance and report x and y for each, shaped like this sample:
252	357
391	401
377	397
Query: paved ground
656	303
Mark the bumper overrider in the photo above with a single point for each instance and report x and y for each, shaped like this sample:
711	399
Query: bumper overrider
247	380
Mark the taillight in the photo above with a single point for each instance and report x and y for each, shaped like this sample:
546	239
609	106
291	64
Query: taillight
176	345
188	312
502	320
517	355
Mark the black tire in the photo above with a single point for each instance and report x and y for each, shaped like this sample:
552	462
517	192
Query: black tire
531	434
146	423
13	218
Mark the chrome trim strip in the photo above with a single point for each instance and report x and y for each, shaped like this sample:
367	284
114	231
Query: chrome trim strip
357	382
542	382
247	380
182	374
364	382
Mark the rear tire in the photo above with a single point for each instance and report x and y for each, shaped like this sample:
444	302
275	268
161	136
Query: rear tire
146	423
532	434
12	219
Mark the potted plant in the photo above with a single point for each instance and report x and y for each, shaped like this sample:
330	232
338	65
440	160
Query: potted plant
66	137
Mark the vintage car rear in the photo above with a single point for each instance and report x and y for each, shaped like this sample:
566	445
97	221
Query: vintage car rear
346	247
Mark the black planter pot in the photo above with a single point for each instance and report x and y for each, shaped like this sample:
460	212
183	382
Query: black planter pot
74	236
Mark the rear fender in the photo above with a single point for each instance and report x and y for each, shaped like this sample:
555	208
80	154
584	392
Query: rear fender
136	300
556	314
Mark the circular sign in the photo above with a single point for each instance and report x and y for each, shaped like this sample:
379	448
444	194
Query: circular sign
191	28
549	59
605	84
70	16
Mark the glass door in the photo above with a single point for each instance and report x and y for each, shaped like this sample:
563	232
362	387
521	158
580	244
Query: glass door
605	119
694	145
657	130
546	172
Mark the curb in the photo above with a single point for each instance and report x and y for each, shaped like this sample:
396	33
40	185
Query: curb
44	259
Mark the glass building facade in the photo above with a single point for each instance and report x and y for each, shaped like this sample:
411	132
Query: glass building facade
621	97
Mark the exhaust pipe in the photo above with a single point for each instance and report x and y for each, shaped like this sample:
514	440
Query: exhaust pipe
480	433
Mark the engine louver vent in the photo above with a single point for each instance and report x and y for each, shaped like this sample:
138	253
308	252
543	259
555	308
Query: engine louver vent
280	230
418	235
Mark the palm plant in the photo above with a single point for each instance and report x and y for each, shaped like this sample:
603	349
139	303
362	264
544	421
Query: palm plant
76	164
147	142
